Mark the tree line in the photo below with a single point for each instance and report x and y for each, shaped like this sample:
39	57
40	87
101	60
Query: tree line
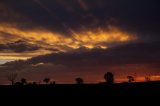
108	77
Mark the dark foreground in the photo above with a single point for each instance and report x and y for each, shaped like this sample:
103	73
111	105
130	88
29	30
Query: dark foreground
98	90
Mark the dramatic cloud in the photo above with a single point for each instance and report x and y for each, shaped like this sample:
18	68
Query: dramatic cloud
87	38
125	54
123	60
74	35
65	25
19	46
136	53
140	16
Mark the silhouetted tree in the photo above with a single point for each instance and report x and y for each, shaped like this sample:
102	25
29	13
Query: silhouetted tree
130	78
23	81
53	83
79	80
109	77
147	78
46	80
11	77
34	83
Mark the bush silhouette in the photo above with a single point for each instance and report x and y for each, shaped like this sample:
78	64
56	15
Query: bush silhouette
23	81
109	78
46	80
130	78
79	80
34	83
147	78
53	83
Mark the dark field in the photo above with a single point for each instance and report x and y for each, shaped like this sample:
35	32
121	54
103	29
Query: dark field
86	90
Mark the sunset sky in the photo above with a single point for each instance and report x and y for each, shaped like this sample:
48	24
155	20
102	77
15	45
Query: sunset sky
79	38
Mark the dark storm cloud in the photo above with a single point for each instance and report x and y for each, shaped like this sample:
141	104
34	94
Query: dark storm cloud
141	16
18	47
140	58
126	54
136	53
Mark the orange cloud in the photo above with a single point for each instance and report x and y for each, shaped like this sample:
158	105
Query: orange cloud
23	56
49	40
112	34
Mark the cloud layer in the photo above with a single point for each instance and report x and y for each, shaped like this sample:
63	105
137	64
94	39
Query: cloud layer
18	46
52	40
62	26
91	64
106	34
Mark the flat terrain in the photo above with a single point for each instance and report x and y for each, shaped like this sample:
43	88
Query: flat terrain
86	90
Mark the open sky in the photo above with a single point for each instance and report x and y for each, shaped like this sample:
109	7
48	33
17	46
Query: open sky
79	38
